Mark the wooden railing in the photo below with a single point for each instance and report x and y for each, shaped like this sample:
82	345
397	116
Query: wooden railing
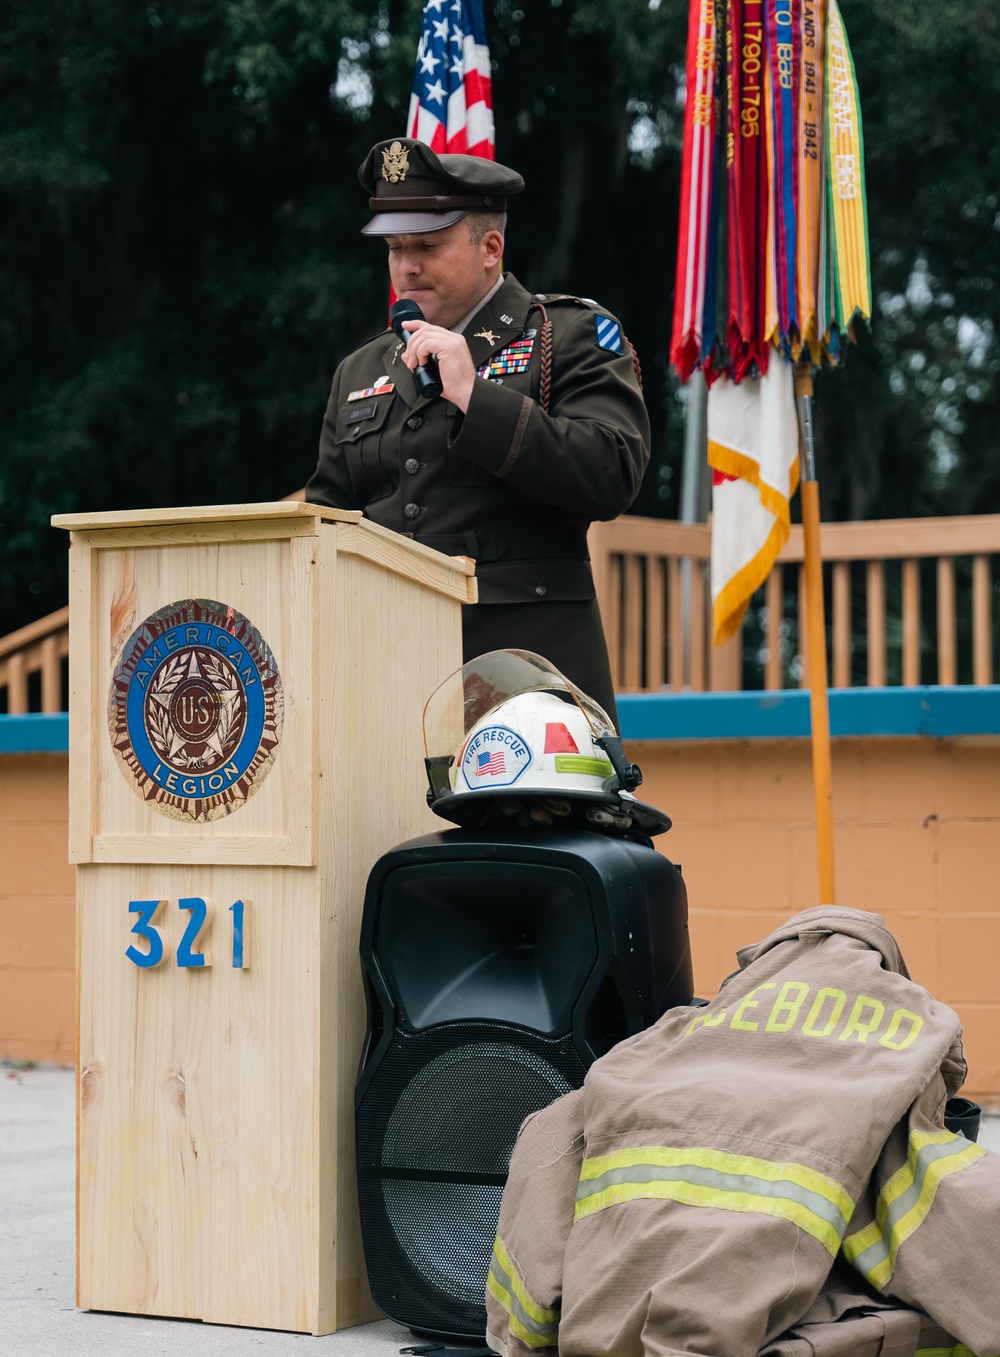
37	649
881	577
652	583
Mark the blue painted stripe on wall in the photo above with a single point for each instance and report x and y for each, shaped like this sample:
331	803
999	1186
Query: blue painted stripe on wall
931	711
35	734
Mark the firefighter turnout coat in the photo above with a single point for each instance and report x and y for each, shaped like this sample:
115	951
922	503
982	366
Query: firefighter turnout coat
695	1195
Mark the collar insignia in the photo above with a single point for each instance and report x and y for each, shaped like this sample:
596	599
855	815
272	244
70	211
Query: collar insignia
507	320
395	163
488	335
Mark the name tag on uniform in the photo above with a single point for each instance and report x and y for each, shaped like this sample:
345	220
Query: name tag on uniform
381	388
362	412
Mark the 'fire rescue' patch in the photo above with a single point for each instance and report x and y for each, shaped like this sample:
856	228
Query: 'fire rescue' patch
195	710
494	757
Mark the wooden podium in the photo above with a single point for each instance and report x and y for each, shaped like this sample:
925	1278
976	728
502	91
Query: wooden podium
247	684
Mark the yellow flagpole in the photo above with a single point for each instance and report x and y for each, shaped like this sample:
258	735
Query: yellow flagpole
816	627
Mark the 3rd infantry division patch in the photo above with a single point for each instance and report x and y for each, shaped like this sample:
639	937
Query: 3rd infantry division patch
609	335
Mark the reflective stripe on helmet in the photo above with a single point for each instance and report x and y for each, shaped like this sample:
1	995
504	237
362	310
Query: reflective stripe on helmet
729	1182
580	763
906	1199
535	1326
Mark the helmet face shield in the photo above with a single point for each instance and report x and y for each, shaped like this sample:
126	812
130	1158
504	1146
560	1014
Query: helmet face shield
480	686
508	728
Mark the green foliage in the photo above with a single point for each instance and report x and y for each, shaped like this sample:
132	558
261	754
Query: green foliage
910	427
181	268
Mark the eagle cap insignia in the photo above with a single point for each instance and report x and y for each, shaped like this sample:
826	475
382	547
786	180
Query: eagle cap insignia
395	162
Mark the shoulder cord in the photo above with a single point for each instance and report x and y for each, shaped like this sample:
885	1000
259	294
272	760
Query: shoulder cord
635	360
545	350
545	345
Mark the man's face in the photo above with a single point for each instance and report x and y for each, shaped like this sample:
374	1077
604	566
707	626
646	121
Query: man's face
444	272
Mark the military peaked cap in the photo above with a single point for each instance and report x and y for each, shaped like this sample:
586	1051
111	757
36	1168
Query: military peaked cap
411	189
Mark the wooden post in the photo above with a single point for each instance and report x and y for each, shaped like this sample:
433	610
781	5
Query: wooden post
816	641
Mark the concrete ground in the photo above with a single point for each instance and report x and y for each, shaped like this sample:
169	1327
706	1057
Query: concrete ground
37	1265
37	1230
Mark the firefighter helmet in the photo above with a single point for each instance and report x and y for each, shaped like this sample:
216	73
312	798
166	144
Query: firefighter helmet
508	737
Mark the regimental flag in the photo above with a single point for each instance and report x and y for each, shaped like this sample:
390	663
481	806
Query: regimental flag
753	450
848	216
451	107
697	163
772	186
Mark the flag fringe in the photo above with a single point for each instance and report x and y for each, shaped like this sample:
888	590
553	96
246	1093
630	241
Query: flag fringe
729	608
743	467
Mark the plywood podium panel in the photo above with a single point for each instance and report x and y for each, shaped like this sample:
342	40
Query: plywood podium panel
216	1148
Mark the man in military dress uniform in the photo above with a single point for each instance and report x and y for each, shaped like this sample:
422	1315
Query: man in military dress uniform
539	429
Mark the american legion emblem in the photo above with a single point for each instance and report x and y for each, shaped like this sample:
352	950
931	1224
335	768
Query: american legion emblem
195	710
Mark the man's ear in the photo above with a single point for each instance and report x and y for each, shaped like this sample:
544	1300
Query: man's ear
492	248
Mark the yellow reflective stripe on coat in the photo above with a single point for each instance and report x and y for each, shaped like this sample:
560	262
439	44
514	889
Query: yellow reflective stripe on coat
730	1182
906	1199
535	1326
959	1350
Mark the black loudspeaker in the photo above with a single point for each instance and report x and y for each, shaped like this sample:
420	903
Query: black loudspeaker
497	970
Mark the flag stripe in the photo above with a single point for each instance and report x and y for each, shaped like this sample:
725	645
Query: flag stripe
451	106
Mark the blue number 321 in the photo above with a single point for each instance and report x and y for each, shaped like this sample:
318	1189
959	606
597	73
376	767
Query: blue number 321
191	951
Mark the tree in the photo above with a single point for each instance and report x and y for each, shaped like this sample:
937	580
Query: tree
181	269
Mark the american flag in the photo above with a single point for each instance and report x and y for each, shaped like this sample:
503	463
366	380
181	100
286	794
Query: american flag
490	763
451	107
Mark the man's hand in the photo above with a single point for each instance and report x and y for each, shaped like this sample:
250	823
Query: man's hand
450	352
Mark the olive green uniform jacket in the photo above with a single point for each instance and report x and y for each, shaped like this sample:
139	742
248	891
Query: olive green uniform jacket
768	1174
506	483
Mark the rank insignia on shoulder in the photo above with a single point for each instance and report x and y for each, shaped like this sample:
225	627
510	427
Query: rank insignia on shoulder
382	388
514	358
609	335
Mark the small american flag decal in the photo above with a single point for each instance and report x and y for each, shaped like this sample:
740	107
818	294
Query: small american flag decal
490	763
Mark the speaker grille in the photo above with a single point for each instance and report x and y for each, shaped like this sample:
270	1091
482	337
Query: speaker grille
436	1128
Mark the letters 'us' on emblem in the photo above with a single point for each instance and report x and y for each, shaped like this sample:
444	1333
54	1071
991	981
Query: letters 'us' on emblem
195	710
395	162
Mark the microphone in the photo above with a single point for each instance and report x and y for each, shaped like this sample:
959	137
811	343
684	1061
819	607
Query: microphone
428	381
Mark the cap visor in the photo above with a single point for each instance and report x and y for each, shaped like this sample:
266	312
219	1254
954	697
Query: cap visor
411	223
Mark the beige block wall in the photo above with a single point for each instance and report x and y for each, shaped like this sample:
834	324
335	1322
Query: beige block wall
917	840
37	911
